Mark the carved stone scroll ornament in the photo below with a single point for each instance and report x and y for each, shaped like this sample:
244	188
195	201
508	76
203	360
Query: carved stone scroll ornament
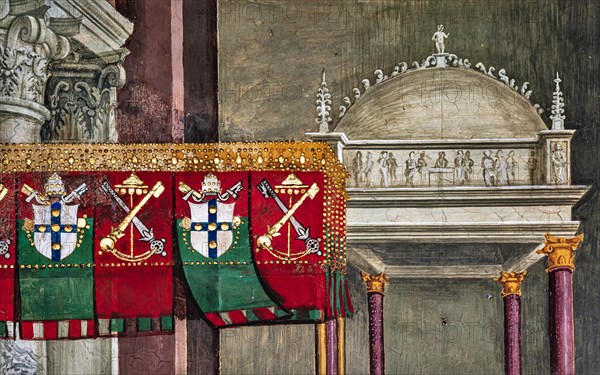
28	48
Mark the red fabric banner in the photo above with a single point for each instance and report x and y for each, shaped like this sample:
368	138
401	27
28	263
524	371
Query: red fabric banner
286	215
133	251
7	252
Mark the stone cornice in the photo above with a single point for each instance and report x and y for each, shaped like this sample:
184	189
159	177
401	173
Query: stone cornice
465	196
503	232
103	30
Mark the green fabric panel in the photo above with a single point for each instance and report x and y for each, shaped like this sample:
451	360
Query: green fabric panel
166	323
3	330
117	325
315	314
56	293
251	316
224	287
144	324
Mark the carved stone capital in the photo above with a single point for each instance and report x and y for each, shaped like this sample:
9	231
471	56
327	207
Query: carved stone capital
27	48
560	251
82	98
375	283
511	282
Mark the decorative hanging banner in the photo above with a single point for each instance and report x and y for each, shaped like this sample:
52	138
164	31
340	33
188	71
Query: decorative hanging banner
260	228
292	253
134	278
7	255
56	283
213	234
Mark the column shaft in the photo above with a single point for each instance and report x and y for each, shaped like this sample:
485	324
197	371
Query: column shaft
376	350
331	327
561	263
341	344
321	333
561	327
512	334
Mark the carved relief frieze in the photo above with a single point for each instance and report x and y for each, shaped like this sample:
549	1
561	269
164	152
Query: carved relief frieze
493	167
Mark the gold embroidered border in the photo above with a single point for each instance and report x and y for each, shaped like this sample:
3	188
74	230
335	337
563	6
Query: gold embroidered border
213	157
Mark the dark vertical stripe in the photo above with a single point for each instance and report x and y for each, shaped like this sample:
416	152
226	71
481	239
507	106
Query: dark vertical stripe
212	234
55	235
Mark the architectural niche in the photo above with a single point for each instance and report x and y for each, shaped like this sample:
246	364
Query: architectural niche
61	66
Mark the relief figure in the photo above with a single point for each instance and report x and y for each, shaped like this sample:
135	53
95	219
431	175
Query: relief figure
410	169
357	168
559	163
501	166
487	163
368	169
469	163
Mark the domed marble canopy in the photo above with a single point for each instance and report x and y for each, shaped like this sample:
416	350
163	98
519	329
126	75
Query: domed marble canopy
441	104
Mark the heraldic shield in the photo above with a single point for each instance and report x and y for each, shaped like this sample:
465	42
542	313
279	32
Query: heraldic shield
55	234
211	229
214	244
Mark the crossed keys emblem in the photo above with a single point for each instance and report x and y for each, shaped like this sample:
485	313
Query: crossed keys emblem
291	185
4	243
132	186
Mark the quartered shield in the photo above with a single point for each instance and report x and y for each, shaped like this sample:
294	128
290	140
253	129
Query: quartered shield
210	231
55	229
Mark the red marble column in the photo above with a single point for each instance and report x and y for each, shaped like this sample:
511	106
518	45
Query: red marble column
375	291
511	294
561	256
331	337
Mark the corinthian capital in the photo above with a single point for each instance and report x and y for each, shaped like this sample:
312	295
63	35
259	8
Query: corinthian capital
560	251
375	283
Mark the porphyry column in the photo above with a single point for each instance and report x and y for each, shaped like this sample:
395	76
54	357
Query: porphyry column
511	294
561	255
375	291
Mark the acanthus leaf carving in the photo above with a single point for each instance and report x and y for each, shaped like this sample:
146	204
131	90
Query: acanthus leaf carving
84	110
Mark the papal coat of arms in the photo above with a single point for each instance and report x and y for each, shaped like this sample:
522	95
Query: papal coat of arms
214	240
56	256
212	216
55	226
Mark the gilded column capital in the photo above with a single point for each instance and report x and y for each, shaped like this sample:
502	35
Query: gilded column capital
375	283
511	282
560	251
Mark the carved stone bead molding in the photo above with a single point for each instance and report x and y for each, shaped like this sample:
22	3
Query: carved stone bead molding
441	60
82	99
511	282
560	251
28	47
375	283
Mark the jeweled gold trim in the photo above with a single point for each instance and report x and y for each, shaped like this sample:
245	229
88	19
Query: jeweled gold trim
560	251
213	157
375	283
511	282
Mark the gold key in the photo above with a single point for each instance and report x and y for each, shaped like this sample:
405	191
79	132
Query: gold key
264	241
108	243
